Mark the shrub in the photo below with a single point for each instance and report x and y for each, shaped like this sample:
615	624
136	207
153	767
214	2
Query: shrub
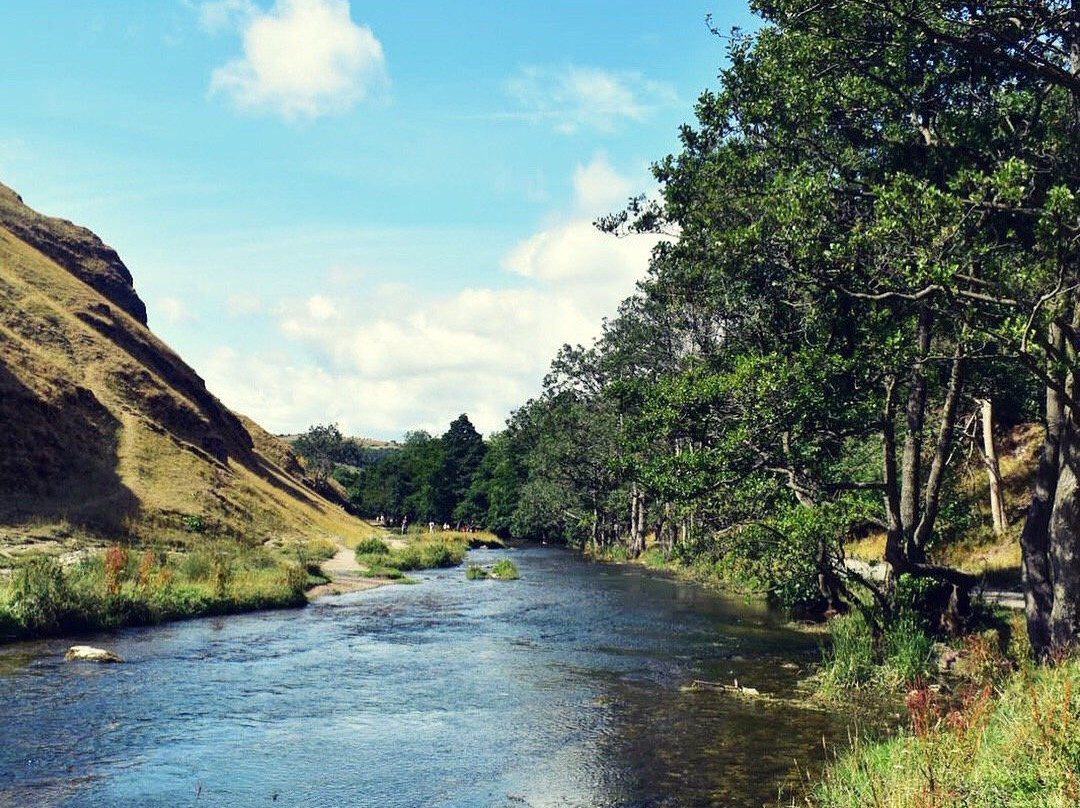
40	596
505	569
427	555
441	554
372	546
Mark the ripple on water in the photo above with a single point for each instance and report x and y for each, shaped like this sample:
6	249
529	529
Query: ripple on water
561	689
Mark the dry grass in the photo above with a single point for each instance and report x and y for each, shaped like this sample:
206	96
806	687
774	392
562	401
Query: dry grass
109	435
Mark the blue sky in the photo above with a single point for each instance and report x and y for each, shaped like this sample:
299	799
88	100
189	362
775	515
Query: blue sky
370	213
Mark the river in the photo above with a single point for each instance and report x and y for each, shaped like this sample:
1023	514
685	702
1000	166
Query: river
564	689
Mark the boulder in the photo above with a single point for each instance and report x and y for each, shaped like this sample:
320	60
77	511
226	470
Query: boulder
89	653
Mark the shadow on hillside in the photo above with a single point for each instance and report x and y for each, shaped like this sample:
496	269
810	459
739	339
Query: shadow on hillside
58	458
175	397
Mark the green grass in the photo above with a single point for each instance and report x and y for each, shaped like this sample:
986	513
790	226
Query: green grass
504	570
853	658
1017	746
116	588
420	552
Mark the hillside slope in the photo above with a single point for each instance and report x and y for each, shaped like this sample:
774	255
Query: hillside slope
106	431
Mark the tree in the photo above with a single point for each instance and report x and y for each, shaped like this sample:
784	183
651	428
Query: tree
319	447
851	210
462	452
1021	181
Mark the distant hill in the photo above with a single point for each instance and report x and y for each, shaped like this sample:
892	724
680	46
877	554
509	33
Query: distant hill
108	432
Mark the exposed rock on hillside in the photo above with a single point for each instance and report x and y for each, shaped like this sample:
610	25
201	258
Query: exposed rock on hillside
74	248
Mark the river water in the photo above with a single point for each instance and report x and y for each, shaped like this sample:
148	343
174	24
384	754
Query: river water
565	689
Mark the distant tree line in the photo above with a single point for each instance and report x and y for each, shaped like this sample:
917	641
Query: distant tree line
425	479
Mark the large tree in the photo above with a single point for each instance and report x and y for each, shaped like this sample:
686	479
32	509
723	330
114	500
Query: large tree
1009	114
885	189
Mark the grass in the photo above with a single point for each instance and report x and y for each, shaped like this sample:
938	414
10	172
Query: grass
503	570
42	597
1016	744
391	556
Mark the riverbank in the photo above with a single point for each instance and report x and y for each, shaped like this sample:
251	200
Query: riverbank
1014	741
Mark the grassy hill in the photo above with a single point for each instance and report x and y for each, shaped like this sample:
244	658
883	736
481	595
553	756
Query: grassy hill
108	436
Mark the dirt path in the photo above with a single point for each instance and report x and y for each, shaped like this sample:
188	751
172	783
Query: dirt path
345	576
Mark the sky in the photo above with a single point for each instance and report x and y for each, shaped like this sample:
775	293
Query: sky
374	214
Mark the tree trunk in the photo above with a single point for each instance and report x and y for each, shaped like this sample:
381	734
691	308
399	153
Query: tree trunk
1051	532
1065	544
993	469
636	544
894	537
935	479
911	463
1035	538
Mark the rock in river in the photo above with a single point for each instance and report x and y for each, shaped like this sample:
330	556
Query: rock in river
89	653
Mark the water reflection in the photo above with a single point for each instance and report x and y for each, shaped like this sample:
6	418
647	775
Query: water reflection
565	688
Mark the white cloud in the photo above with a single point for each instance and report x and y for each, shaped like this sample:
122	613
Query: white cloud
577	259
574	98
219	15
598	188
383	359
302	59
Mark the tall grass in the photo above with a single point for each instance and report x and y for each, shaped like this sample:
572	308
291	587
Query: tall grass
42	597
854	657
420	552
1017	747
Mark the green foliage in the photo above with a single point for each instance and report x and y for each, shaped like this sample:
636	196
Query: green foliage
463	452
193	523
907	650
319	447
372	546
40	601
856	658
425	554
505	570
850	659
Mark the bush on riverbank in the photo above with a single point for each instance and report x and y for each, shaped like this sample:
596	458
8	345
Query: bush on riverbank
41	597
379	558
1015	744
